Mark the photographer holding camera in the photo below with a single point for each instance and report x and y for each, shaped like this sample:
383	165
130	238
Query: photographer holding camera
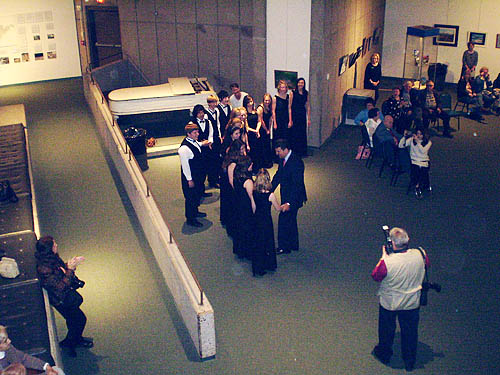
60	281
400	271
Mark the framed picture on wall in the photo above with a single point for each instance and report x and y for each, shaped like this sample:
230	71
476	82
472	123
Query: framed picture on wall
448	35
479	39
343	63
288	76
498	41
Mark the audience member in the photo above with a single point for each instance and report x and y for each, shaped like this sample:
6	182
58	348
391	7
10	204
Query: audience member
431	109
393	106
465	94
60	281
301	118
264	257
482	87
240	113
373	73
419	153
372	123
469	59
11	358
362	116
236	99
388	139
411	108
265	113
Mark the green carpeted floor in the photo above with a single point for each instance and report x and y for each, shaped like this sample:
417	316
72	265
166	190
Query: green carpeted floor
318	313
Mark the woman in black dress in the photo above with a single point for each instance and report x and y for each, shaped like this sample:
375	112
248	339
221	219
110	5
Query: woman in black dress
282	112
265	113
253	131
301	118
244	237
264	257
226	188
373	73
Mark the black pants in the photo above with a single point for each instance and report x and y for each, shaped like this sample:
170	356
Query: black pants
419	176
408	322
288	232
431	115
75	321
192	197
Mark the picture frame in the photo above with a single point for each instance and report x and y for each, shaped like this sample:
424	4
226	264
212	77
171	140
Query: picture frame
448	35
497	44
290	77
479	39
343	63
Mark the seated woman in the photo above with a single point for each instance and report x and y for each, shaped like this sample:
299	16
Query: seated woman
482	86
465	94
393	106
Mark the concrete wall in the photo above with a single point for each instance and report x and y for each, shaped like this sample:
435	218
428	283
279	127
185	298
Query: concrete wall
223	40
338	28
469	15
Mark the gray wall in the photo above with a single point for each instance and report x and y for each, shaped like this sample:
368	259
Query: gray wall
223	40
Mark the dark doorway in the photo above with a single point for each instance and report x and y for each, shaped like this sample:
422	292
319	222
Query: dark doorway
103	27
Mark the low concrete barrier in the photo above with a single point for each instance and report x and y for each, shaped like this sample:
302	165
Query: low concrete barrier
193	306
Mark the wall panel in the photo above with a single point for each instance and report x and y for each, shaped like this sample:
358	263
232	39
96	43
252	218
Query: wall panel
187	50
168	51
148	51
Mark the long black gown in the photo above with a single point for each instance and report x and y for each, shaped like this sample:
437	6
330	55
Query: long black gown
267	152
282	118
264	258
298	137
244	236
255	143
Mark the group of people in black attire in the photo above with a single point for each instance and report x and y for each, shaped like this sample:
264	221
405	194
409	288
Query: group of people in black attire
233	147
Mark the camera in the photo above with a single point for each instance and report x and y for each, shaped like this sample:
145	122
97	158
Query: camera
388	241
77	283
425	289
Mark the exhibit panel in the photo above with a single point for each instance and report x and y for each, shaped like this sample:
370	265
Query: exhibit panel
37	42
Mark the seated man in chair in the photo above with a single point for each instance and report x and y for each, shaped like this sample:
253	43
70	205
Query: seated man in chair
431	109
388	138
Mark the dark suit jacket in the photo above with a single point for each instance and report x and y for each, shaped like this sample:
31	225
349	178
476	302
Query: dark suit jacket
291	180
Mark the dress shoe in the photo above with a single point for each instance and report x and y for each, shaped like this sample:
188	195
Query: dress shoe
409	367
86	342
379	358
201	214
206	195
259	273
215	186
281	251
194	223
68	349
447	135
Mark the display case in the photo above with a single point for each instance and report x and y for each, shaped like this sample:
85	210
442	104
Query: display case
420	53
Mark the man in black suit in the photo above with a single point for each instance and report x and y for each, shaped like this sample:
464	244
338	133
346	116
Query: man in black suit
290	177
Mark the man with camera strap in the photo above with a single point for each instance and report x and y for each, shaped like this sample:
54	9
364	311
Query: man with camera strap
400	272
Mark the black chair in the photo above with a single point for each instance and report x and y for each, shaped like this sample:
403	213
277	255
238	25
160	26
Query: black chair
463	105
445	100
365	139
376	151
402	165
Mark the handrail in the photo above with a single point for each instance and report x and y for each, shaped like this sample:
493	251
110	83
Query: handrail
147	191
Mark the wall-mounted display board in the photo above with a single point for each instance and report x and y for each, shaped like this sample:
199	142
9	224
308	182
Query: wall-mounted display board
37	41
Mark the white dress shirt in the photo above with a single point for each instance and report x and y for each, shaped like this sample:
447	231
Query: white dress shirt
185	154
